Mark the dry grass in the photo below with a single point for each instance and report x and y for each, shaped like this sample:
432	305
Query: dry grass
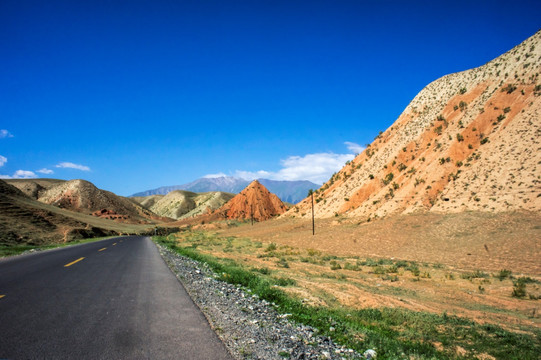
423	262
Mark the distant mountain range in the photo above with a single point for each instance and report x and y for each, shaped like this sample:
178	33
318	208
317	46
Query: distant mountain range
288	191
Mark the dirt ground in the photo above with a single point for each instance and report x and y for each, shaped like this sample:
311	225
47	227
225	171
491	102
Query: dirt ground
467	241
441	263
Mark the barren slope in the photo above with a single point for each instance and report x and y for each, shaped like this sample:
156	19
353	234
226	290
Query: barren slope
468	141
34	187
206	203
27	221
83	196
179	204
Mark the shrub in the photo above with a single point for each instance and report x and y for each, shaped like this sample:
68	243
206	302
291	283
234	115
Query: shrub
503	274
519	288
388	178
509	88
459	137
282	263
474	275
271	247
463	91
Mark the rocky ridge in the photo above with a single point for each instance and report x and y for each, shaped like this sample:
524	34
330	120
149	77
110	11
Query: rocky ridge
467	141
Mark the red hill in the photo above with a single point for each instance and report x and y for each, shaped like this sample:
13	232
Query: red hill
255	200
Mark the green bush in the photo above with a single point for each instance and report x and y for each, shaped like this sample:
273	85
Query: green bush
504	274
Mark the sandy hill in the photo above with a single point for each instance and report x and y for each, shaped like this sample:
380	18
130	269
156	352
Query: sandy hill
34	187
179	204
254	201
26	221
467	141
147	201
82	196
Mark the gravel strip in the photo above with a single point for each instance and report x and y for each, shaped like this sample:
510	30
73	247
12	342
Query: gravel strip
250	327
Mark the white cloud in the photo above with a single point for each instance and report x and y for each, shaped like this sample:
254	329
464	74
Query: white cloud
210	176
355	148
45	171
20	174
317	168
3	160
69	165
5	134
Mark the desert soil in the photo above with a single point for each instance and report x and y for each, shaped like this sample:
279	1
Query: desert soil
424	262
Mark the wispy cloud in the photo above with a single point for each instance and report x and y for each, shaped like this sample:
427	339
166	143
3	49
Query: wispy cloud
20	174
317	168
210	176
3	160
354	147
45	171
69	165
5	134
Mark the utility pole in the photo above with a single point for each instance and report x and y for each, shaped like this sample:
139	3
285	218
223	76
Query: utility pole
311	193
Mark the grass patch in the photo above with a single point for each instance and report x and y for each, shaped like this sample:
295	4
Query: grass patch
11	250
396	333
477	274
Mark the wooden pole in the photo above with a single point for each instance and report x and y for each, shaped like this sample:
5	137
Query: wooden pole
313	222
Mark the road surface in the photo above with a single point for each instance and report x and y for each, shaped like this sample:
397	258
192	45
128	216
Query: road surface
111	299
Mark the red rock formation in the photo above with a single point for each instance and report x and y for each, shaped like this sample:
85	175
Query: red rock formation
254	201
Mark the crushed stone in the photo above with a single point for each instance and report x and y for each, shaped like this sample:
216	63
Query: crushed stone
250	327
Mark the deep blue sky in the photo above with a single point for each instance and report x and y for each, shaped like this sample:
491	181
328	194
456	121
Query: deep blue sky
152	93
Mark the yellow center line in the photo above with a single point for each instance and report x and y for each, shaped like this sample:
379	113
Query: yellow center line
102	249
73	262
1	296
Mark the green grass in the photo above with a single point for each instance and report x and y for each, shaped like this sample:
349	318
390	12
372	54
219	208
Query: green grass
11	250
395	333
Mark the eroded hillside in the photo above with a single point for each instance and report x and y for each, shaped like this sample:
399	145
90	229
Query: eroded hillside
82	196
179	204
467	141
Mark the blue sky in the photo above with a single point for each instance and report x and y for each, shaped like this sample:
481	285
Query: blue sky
133	95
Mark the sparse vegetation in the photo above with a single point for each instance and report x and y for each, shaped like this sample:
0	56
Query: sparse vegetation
388	178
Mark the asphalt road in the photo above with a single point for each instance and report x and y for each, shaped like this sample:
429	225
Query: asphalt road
112	299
